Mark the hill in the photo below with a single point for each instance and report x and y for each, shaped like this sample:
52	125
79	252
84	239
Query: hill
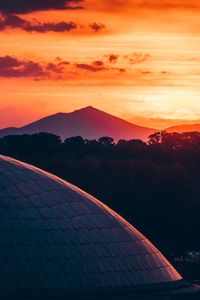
184	128
88	122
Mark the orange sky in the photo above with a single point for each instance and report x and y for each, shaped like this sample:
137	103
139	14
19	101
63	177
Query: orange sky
136	59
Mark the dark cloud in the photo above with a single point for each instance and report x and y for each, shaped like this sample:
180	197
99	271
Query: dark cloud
27	6
133	59
113	58
97	27
95	66
98	63
8	20
11	67
13	21
56	27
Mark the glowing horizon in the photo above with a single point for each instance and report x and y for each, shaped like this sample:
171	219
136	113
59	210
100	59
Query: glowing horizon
136	60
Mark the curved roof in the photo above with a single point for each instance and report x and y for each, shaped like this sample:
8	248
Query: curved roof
55	238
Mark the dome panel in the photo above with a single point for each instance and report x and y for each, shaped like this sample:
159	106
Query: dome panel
55	238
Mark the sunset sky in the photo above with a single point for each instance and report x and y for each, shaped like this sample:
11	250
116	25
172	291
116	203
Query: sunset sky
137	59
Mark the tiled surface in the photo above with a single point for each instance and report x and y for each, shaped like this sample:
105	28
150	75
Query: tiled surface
55	236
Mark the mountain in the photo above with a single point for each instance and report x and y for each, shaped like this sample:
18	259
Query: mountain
88	122
184	128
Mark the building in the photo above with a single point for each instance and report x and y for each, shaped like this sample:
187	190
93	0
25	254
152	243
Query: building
58	242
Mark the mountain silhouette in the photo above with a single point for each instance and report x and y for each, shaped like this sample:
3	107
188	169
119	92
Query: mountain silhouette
88	122
184	128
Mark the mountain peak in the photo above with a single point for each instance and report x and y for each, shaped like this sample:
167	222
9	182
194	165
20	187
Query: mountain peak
86	108
83	109
89	107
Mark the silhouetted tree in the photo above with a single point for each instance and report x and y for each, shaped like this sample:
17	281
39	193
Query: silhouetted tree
74	145
106	141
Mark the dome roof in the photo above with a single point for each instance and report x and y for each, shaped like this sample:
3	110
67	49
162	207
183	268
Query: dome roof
57	239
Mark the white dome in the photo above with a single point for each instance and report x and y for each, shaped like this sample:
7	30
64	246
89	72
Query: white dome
56	239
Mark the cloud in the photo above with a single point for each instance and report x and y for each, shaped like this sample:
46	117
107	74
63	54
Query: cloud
95	66
113	58
138	58
28	6
59	69
133	59
11	67
97	27
13	21
98	66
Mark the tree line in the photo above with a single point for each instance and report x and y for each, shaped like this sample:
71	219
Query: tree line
155	185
